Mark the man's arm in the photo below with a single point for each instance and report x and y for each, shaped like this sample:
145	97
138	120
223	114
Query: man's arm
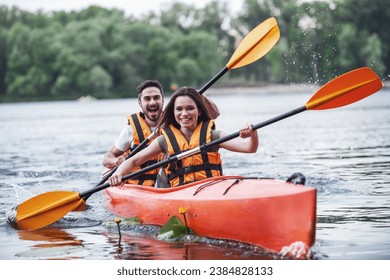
113	157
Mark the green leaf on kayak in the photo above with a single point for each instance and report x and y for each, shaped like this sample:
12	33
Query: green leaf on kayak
174	221
179	230
174	228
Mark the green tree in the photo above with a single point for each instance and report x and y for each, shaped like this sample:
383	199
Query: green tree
315	43
3	60
205	38
186	72
19	60
99	81
254	12
160	60
369	19
319	39
202	48
359	48
102	52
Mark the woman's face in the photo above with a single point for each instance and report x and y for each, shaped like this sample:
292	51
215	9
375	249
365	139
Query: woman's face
186	112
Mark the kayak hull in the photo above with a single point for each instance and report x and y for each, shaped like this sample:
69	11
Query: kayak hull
265	212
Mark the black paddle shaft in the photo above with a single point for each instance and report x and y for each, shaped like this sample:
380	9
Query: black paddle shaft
194	151
213	80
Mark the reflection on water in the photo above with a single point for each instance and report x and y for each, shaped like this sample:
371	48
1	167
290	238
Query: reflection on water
133	248
50	243
137	243
344	153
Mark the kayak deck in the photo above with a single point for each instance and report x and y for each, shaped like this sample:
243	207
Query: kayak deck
265	212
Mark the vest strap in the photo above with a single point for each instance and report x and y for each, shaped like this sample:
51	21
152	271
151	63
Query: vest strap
138	127
144	177
195	168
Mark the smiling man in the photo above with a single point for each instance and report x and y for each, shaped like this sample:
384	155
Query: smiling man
140	126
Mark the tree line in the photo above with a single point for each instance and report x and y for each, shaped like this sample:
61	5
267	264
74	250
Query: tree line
106	54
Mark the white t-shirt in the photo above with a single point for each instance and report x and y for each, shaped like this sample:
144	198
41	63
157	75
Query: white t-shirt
125	138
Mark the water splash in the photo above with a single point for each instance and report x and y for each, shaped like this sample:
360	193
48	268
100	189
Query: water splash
10	217
297	250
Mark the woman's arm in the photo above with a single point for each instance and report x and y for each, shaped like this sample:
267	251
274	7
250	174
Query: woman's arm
144	155
247	143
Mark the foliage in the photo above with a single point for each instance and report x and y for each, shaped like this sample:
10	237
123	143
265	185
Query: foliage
173	229
103	53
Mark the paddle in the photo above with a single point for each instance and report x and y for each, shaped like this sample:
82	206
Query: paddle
348	88
254	46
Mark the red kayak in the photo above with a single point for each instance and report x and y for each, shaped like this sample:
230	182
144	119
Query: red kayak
269	213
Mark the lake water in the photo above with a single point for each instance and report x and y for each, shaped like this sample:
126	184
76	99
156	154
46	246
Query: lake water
344	153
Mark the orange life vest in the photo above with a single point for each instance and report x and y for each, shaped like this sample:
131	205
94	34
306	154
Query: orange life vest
141	130
203	165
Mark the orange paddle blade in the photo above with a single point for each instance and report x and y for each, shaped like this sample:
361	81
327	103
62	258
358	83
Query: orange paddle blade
256	44
45	209
345	89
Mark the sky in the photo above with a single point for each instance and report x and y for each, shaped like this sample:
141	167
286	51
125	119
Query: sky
131	7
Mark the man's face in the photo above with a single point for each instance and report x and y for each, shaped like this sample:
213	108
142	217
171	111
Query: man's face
151	102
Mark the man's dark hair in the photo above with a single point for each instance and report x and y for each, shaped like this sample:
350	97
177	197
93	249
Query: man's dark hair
149	83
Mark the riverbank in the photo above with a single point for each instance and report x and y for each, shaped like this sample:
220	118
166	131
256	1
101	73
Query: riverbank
223	90
214	90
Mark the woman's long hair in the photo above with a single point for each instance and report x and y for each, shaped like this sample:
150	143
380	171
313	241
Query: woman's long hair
168	116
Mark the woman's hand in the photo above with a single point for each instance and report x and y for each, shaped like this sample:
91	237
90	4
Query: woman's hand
247	131
241	145
115	180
